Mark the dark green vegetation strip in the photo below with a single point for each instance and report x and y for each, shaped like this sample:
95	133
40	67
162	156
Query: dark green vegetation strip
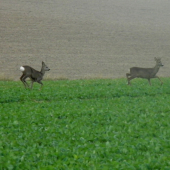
85	124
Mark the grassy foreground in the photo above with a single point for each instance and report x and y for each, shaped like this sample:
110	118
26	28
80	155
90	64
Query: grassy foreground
85	124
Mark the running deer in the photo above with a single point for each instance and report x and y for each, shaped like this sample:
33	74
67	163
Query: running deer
146	73
34	75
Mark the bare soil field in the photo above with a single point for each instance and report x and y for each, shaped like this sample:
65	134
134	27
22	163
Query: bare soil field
80	39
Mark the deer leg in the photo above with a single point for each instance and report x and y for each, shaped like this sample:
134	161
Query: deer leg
25	81
22	78
149	82
31	84
41	84
159	79
127	75
129	79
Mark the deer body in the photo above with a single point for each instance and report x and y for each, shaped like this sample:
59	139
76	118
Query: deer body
146	73
34	75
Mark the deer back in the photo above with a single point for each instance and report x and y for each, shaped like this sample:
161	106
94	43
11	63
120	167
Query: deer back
143	72
31	72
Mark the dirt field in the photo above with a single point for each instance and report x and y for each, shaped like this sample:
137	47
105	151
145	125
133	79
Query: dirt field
83	39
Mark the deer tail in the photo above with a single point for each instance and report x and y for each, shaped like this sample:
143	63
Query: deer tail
22	68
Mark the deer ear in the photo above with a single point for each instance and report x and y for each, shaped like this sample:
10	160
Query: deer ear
42	62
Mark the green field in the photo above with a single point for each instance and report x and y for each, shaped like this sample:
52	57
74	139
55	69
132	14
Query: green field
85	125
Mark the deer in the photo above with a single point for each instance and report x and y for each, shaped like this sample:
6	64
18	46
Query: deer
145	73
34	75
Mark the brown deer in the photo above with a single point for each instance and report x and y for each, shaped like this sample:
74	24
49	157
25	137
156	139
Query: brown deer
34	75
146	73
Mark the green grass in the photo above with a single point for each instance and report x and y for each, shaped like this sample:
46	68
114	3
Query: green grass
85	124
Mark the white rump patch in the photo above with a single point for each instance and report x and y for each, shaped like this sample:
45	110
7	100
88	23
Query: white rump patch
22	68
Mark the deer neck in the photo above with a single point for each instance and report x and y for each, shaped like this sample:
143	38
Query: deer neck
156	68
42	71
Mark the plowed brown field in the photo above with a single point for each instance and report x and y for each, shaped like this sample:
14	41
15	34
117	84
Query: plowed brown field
83	38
